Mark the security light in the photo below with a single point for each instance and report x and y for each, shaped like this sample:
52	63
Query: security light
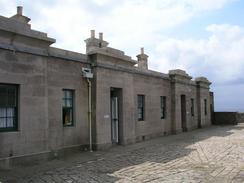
86	72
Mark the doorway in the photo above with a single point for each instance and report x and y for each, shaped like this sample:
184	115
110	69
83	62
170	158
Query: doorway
183	113
116	117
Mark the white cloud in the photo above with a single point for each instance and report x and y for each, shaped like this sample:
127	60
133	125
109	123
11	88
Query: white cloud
202	5
127	24
220	56
7	8
130	24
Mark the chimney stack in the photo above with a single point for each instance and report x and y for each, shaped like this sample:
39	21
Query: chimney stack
100	36
142	50
92	33
19	10
94	43
142	60
20	17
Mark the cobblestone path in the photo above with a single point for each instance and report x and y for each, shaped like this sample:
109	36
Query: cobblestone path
214	154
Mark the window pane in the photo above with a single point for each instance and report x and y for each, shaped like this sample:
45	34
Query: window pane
67	107
2	112
11	97
67	116
3	96
161	101
68	94
140	113
139	101
205	106
163	106
68	103
140	107
63	102
10	112
2	122
192	107
10	122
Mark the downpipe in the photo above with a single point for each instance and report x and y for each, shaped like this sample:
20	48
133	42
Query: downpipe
89	114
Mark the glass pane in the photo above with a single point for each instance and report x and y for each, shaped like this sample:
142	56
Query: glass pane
164	102
3	96
67	116
63	102
10	112
68	94
10	122
71	115
140	115
140	101
161	102
162	113
2	122
12	97
2	112
68	103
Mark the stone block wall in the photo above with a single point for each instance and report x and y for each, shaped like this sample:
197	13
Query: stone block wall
240	117
228	118
225	118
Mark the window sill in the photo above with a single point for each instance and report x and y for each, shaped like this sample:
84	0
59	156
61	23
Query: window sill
8	130
141	121
68	125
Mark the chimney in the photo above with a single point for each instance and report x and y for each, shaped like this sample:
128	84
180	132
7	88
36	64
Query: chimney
142	60
94	43
100	36
20	17
92	33
142	50
19	10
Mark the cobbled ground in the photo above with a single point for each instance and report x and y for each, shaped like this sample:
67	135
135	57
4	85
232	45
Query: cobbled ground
213	154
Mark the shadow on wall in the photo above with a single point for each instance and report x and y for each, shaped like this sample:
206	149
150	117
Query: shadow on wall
117	163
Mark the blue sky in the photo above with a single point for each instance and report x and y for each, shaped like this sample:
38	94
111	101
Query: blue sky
203	37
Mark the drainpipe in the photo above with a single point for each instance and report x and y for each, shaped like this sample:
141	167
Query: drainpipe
87	73
89	113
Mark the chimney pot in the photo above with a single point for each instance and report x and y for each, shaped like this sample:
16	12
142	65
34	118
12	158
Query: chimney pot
101	36
92	33
142	50
19	10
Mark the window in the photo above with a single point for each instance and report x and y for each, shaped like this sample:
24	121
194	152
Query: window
163	107
8	107
68	107
205	106
192	107
141	107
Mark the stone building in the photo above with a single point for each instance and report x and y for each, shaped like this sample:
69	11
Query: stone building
44	96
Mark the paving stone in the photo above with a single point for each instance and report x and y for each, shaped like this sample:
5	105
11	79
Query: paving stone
214	154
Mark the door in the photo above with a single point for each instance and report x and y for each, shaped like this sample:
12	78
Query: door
114	120
183	113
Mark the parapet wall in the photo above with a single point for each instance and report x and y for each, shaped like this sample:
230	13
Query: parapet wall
228	118
240	117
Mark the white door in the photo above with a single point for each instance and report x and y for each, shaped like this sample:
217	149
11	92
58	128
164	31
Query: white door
114	120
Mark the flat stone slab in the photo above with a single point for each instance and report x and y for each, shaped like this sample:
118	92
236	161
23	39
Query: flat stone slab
214	154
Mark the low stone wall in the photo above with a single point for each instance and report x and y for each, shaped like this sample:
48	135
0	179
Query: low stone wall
225	118
240	117
228	118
